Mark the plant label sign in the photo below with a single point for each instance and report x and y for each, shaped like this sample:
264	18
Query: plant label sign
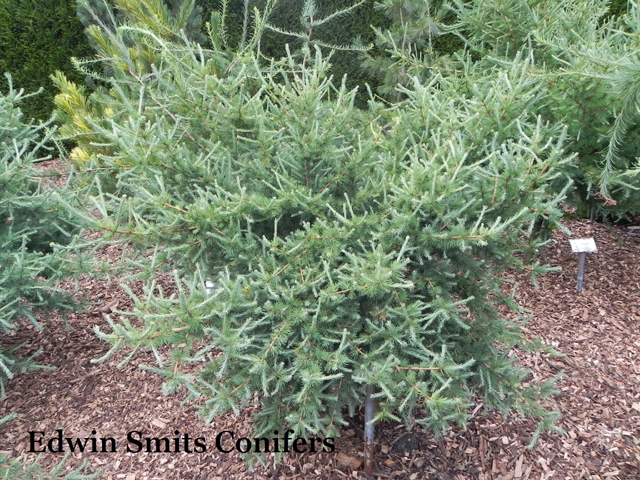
583	245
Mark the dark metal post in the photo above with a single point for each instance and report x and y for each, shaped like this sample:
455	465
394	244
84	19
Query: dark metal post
582	246
582	257
369	413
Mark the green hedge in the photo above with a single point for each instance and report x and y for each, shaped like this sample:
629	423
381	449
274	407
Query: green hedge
38	37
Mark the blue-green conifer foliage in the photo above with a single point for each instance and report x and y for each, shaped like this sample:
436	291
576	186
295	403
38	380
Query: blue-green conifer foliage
343	247
33	228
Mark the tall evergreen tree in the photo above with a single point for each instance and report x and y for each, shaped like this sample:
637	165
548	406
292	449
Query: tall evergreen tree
414	29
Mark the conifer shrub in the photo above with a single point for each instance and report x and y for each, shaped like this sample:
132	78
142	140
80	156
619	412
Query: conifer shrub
33	228
321	251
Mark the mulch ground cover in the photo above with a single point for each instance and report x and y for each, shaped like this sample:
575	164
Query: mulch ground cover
595	331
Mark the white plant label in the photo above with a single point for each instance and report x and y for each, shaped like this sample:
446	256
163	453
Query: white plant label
583	245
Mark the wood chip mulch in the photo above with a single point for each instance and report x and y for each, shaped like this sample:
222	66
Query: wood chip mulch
596	331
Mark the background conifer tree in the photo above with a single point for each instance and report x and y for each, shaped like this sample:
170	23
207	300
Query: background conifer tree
414	31
584	61
581	56
38	37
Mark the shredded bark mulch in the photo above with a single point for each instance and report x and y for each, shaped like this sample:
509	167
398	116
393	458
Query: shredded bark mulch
596	331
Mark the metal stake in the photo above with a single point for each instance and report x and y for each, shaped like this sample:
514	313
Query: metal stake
582	257
369	411
582	246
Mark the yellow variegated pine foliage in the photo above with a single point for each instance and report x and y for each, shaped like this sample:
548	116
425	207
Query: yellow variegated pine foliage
80	112
77	115
79	157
